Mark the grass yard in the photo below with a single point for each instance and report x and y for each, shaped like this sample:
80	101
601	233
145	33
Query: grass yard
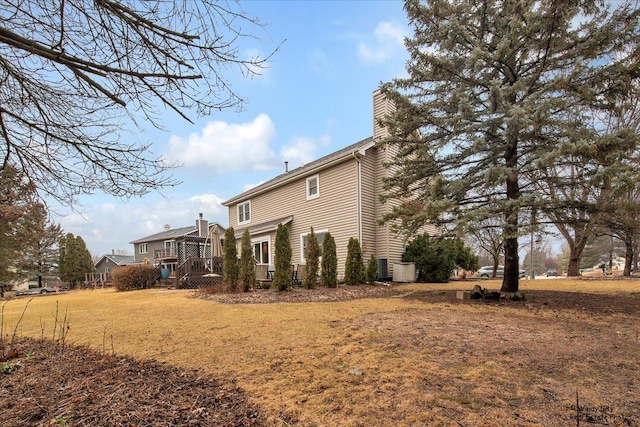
415	356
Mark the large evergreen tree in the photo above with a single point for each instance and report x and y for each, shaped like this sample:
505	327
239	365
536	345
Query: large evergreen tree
75	260
496	92
41	255
22	217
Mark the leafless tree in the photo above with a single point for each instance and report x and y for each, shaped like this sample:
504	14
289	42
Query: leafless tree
78	76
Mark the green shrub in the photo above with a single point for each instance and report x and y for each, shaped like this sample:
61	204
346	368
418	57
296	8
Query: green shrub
247	263
329	265
435	259
131	277
372	270
354	264
282	275
230	268
312	255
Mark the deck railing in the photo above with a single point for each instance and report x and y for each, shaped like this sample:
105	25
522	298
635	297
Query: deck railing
165	253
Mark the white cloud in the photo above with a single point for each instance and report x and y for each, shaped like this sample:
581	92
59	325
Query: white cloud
320	64
303	150
389	39
111	227
225	147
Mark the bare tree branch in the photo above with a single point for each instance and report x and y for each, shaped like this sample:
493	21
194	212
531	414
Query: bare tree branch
76	74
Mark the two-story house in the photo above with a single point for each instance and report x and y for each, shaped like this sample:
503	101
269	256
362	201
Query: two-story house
338	193
173	246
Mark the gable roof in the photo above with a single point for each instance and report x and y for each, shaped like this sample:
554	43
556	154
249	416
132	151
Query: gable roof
167	235
304	170
118	259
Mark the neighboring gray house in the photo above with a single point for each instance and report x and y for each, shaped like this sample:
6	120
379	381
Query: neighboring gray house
338	193
107	263
173	246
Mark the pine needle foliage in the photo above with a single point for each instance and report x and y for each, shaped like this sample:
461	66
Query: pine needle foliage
75	260
282	275
230	268
436	258
312	255
247	263
354	264
497	93
329	263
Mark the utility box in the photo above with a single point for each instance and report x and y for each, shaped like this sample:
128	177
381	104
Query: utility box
404	272
383	272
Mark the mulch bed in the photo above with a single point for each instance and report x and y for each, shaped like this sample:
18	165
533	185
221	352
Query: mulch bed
50	385
321	294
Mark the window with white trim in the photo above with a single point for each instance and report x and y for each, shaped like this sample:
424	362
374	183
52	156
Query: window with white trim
313	187
261	251
244	212
170	248
303	242
143	248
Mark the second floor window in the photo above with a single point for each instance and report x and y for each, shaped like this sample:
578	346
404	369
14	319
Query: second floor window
143	248
244	212
313	187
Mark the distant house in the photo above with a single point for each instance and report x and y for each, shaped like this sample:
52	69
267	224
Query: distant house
338	193
172	246
106	264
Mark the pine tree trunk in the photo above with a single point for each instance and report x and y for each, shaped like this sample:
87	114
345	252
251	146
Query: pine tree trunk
511	258
628	257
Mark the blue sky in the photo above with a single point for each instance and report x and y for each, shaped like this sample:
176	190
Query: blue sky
315	98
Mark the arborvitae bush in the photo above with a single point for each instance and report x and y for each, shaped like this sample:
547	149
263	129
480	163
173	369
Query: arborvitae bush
372	270
329	265
131	277
354	264
247	263
230	268
312	255
282	276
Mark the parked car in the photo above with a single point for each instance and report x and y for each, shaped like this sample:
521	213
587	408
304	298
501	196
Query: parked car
552	273
486	272
35	291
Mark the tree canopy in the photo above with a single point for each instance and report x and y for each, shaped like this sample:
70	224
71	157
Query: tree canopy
497	92
75	260
22	220
75	73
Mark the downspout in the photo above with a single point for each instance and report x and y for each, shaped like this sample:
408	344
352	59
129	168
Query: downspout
356	156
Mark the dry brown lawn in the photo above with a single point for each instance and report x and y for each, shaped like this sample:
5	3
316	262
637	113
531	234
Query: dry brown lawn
406	355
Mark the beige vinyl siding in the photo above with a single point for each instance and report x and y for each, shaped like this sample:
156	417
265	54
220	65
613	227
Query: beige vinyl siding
369	198
335	209
390	245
